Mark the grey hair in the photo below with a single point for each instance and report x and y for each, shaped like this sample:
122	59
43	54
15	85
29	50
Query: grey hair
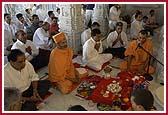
11	94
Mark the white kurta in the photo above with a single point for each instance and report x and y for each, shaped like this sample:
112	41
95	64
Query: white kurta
21	46
113	17
19	79
86	34
41	39
11	28
136	27
113	36
7	41
92	58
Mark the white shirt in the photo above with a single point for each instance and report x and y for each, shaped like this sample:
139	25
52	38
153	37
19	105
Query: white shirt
86	34
136	27
114	13
48	19
20	45
113	36
11	28
89	52
41	39
19	25
19	79
7	41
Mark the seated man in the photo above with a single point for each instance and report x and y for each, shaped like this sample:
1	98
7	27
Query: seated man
142	100
92	50
117	41
138	59
19	73
27	47
61	69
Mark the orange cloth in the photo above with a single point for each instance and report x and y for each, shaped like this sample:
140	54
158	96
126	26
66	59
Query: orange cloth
59	37
139	56
60	67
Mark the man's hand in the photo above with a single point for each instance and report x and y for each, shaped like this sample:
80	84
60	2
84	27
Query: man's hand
97	46
29	50
36	96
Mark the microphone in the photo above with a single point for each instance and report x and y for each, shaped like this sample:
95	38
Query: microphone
138	46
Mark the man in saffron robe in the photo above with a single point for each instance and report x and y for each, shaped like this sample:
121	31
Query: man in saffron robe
61	69
137	61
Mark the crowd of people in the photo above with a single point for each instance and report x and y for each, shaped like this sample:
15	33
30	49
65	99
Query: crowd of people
30	46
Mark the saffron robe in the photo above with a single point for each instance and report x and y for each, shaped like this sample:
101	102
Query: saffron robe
139	56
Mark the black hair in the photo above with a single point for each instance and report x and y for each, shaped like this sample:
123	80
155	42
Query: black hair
95	24
19	31
151	11
144	98
145	17
6	14
137	14
119	24
34	15
19	15
14	54
50	13
76	108
26	10
94	32
58	9
144	32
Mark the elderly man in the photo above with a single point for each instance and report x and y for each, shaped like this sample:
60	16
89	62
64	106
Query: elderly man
92	50
19	73
61	69
138	59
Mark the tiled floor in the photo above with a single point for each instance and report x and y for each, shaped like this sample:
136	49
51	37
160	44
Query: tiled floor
61	102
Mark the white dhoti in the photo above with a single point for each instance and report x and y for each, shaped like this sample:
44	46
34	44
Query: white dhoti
97	62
